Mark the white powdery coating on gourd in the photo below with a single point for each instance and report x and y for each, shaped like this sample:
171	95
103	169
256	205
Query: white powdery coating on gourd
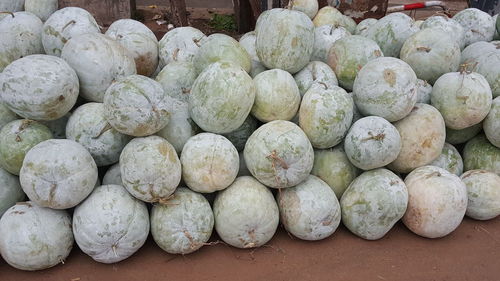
363	26
21	36
65	24
58	174
247	41
326	115
422	138
437	202
209	163
491	124
348	55
480	154
35	238
372	142
184	224
487	65
475	50
39	87
331	16
279	154
246	214
58	126
450	160
221	47
463	99
450	26
431	53
285	39
110	225
277	96
386	87
315	73
98	61
180	127
139	40
391	31
88	127
16	139
150	168
309	210
180	44
11	6
308	7
463	135
324	38
10	191
483	189
41	8
137	106
424	91
333	166
113	175
240	136
478	25
373	203
221	98
6	115
176	79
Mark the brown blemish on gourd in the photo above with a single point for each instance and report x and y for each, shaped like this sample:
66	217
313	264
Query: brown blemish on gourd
390	77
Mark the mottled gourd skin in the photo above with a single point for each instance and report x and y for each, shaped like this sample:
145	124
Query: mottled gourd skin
180	44
315	73
176	79
463	135
21	36
137	106
478	25
150	169
10	191
41	8
139	40
373	203
450	160
240	136
58	174
11	6
35	238
391	31
285	39
491	124
431	53
463	99
475	50
65	24
480	154
246	214
308	7
98	61
333	166
385	87
6	115
221	47
483	189
221	98
184	224
310	210
88	127
277	96
110	225
422	138
209	163
326	115
487	64
39	87
424	91
180	127
363	26
324	38
113	175
437	202
450	26
331	16
348	55
372	142
58	126
279	154
247	41
16	139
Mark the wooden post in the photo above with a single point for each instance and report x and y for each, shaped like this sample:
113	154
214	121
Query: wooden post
104	11
243	14
178	9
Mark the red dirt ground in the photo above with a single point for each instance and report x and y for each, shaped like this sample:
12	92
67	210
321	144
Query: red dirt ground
471	253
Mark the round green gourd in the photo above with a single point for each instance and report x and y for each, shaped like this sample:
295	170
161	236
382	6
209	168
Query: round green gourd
491	124
480	154
483	189
478	25
177	78
41	8
180	44
450	160
10	191
315	73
